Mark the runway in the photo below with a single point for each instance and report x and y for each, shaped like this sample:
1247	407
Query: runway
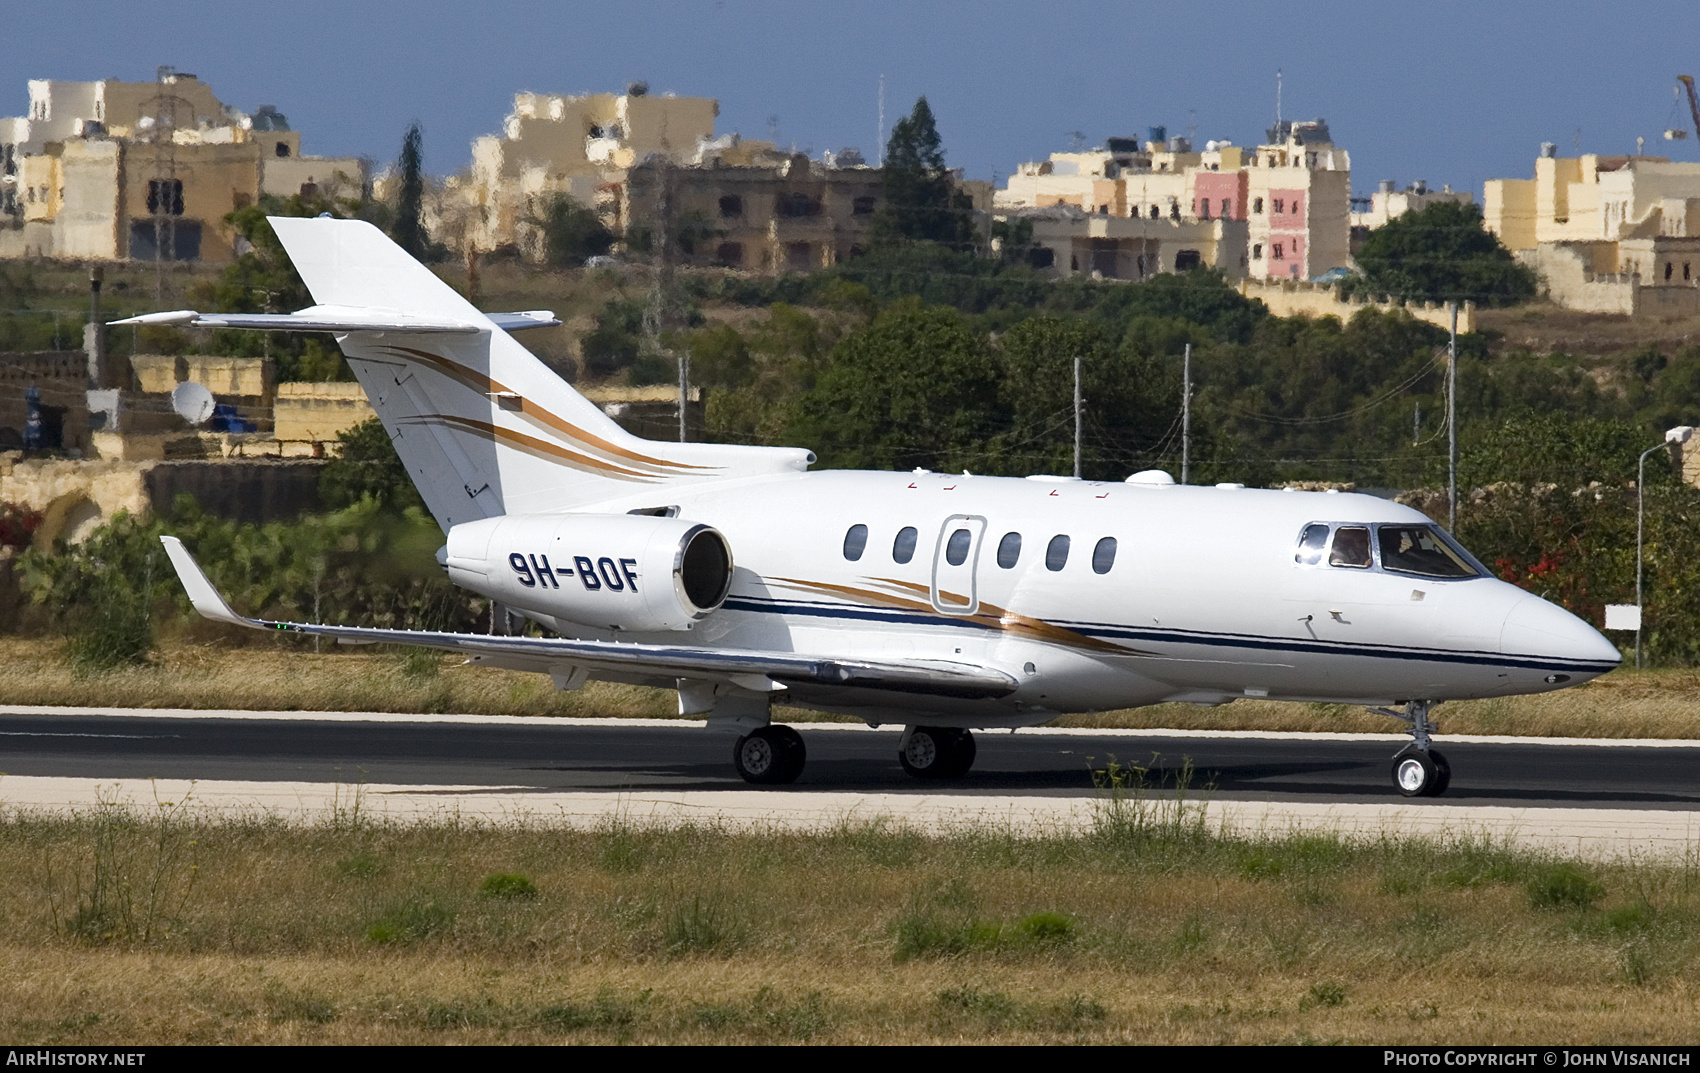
1608	795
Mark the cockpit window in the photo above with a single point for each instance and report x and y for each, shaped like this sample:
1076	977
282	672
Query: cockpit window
1351	547
1417	549
1311	543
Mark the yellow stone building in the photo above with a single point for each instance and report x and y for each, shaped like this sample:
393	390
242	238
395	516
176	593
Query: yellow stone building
110	170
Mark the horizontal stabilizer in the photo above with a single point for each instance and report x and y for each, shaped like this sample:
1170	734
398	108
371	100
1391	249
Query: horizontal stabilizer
343	319
529	318
314	319
736	665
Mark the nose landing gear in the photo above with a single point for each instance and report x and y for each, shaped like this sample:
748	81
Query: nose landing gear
1419	770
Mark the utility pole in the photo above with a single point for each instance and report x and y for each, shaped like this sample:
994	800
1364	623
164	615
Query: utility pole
658	310
93	342
1186	415
1452	422
879	132
1077	417
165	200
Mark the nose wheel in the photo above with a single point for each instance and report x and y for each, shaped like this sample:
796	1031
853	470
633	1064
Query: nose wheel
771	756
1421	773
936	752
1419	770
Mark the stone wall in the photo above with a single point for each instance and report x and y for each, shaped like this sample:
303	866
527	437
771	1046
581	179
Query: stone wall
77	496
62	377
1294	298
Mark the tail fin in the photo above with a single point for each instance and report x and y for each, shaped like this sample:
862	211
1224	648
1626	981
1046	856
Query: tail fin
483	427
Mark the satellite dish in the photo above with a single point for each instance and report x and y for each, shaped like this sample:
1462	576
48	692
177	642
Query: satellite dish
193	402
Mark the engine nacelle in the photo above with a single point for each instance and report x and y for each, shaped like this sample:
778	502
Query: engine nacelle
609	571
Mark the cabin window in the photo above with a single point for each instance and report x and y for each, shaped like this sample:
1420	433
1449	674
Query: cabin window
854	541
903	548
1104	555
1056	552
956	548
1416	549
1009	550
1311	543
1351	547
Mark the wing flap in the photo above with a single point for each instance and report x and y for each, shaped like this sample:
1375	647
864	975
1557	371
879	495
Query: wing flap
738	666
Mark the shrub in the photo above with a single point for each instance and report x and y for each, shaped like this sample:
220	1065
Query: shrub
507	885
1563	886
411	921
1046	928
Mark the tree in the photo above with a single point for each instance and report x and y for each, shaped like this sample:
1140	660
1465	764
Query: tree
921	200
1128	400
367	468
916	387
409	232
262	280
1441	253
571	233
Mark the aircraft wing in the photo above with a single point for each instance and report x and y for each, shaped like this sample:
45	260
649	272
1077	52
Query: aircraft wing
344	319
749	668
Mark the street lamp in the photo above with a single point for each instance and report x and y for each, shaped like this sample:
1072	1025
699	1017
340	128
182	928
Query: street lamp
1677	435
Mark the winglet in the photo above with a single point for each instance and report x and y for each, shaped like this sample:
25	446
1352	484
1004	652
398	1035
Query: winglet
201	592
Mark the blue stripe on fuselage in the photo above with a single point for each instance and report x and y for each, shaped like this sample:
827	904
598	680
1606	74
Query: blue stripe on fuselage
1111	631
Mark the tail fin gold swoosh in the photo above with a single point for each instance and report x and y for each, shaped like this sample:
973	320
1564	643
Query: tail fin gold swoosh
487	385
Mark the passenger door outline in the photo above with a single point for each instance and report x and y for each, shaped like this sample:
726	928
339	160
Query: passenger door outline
955	589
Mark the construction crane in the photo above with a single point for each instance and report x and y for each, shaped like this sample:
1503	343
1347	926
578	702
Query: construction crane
1693	104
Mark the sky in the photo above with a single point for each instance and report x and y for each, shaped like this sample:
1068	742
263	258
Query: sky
1453	93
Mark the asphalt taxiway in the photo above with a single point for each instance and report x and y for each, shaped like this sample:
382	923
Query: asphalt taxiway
1610	795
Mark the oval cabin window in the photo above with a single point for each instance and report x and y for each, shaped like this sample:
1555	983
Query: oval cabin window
1056	553
1009	550
903	548
956	548
855	541
1104	555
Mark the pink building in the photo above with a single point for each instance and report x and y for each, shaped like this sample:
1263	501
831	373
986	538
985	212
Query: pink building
1219	195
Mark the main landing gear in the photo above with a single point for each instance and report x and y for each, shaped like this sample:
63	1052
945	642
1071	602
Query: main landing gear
936	752
770	756
1419	770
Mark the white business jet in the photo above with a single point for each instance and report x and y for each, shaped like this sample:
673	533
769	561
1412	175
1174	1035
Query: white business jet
940	602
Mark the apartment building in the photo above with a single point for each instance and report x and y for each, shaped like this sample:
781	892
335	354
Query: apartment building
580	146
110	170
1132	208
1606	233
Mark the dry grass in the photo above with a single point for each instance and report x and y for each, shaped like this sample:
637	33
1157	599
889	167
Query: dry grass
284	676
1149	929
1623	704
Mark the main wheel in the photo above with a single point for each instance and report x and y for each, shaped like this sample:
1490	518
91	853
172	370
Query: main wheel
937	753
1415	774
962	755
771	756
926	753
1442	773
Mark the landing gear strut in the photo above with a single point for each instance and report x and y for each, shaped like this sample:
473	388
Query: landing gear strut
770	756
1419	770
936	752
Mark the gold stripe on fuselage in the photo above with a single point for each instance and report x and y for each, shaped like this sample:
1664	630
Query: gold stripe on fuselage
989	616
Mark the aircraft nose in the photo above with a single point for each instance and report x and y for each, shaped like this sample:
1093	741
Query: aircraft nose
1537	628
